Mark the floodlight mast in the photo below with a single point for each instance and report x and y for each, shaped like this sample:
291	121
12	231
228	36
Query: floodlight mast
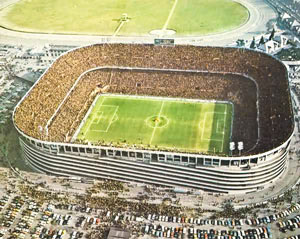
231	147
240	147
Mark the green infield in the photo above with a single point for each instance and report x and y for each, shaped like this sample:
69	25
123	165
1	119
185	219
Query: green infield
106	17
159	123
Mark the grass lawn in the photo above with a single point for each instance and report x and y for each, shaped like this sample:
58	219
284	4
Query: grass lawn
200	17
101	17
188	126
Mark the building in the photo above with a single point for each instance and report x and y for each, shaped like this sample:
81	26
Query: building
118	233
263	117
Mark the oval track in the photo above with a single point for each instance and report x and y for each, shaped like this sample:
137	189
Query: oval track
260	14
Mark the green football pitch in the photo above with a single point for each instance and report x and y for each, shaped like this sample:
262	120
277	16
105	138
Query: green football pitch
159	123
103	17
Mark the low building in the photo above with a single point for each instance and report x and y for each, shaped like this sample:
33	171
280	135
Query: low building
118	233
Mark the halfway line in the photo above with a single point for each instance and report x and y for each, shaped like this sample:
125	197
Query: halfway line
170	15
155	127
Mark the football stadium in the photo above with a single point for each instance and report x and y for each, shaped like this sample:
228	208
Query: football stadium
210	118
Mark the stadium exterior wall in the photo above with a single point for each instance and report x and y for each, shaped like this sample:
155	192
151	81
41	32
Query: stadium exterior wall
230	175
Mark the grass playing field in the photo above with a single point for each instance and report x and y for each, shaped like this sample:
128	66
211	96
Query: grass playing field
187	17
159	123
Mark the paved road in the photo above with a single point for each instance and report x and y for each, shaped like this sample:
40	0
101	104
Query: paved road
260	14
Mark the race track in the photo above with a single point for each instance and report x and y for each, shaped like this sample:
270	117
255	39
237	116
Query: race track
260	14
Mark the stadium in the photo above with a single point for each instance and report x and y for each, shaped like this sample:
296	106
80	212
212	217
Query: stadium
209	118
125	17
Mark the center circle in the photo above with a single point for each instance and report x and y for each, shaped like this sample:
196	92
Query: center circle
156	121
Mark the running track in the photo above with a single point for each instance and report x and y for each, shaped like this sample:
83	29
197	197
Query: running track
260	14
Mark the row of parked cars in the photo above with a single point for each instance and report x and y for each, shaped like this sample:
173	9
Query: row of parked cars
273	217
224	222
290	224
108	214
3	202
18	216
196	233
25	223
12	210
76	234
293	237
50	233
2	233
81	221
48	217
196	221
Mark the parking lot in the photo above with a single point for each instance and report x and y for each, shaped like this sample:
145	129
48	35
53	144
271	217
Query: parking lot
39	206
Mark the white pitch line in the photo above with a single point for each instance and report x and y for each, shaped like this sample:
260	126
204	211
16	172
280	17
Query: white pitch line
90	124
111	121
204	122
220	113
99	117
118	29
113	106
155	127
99	130
224	128
203	127
88	128
170	15
218	140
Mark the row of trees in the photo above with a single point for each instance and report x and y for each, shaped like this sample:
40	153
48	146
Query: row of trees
253	45
262	40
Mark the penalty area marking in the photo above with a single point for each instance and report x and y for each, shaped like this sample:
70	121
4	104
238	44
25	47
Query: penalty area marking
202	124
98	117
89	126
220	122
113	119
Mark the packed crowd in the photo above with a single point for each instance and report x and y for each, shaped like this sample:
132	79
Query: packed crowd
230	70
207	86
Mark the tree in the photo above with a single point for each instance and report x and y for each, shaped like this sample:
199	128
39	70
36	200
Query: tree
240	42
292	43
253	45
261	41
272	34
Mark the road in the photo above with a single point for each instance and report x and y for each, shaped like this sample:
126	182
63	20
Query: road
281	7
